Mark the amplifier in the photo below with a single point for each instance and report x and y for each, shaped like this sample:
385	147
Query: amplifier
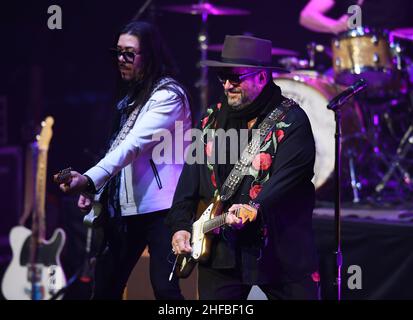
11	188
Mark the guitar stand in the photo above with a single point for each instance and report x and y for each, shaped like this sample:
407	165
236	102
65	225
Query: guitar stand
85	272
68	285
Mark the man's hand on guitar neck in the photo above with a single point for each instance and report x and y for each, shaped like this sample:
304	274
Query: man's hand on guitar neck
234	212
181	242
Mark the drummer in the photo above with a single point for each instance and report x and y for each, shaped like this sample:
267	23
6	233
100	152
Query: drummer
331	16
334	17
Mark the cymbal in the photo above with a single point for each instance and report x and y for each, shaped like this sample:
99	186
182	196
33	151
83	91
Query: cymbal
206	8
403	33
274	51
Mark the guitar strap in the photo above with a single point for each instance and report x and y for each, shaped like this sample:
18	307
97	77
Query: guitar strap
241	168
130	122
101	197
134	115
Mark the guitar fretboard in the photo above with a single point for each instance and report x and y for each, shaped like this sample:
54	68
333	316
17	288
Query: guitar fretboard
39	225
216	222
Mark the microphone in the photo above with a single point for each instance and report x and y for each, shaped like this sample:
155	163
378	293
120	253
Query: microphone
343	97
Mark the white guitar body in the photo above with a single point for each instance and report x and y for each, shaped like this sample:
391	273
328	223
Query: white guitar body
94	218
16	284
203	229
198	236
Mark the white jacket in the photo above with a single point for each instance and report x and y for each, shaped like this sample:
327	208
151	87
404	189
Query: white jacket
139	190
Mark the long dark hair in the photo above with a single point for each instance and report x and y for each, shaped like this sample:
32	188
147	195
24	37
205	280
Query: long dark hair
156	60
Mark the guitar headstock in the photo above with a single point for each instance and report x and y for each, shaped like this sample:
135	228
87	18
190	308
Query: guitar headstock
63	176
43	139
246	214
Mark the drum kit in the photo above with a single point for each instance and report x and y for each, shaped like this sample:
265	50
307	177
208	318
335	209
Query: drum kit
377	126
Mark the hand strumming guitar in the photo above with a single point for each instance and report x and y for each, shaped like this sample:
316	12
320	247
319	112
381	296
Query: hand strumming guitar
181	242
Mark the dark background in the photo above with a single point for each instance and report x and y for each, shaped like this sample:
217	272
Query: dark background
70	75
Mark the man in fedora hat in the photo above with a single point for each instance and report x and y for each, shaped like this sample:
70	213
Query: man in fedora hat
270	184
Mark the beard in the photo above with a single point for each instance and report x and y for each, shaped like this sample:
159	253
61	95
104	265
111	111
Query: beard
236	100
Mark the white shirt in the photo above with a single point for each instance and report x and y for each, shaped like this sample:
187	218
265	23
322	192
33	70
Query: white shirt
139	190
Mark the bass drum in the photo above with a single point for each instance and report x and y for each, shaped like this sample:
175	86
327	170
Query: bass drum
312	92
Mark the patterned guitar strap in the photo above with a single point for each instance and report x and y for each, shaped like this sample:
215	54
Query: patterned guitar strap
241	168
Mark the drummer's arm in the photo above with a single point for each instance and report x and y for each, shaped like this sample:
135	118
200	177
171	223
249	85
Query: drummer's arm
313	17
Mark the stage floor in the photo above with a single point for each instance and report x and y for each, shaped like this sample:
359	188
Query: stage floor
400	213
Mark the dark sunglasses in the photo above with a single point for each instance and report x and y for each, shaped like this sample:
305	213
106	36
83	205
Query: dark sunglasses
234	78
128	56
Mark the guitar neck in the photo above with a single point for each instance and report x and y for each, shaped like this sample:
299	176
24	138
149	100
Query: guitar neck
216	222
39	225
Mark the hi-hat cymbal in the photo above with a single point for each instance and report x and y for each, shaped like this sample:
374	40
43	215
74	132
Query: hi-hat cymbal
274	51
206	8
404	33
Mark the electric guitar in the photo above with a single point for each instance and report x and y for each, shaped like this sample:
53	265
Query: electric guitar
35	272
203	231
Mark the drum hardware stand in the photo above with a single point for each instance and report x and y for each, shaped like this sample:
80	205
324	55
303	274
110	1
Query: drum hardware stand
404	146
374	131
355	185
202	83
142	10
311	48
204	8
335	105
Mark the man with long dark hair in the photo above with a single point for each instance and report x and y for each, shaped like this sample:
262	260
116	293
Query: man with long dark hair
138	189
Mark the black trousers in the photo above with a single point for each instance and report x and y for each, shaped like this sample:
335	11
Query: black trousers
226	284
125	239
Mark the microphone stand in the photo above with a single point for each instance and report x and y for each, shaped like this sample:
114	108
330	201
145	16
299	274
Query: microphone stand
335	105
337	200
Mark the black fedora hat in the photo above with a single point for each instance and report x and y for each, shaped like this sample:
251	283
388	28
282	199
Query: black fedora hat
245	51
